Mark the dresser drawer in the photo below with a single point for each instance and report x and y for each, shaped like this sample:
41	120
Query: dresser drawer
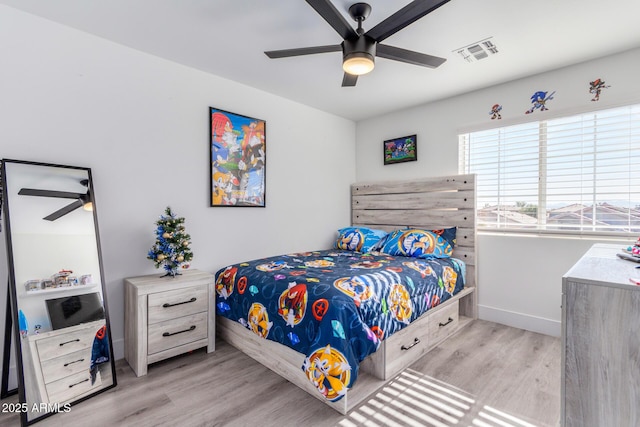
63	366
443	323
176	332
181	302
69	387
66	343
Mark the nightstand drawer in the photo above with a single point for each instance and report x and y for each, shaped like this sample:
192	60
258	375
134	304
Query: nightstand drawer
176	332
71	386
63	366
66	343
178	303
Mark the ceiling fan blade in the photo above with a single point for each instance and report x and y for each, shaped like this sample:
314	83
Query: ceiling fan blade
49	193
330	14
63	211
349	80
404	17
408	56
273	54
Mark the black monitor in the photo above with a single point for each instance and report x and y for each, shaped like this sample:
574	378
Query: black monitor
70	311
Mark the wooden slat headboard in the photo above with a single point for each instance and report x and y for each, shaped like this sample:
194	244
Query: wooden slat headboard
429	203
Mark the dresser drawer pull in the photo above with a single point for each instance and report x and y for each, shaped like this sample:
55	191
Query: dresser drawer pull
79	382
71	363
167	305
168	334
415	342
69	342
446	323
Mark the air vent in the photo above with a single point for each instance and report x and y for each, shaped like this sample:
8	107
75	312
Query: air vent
477	51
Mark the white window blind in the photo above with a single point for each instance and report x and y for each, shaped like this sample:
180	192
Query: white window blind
573	174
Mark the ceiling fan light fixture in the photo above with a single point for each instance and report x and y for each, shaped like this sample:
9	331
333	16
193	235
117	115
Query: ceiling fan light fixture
88	206
358	63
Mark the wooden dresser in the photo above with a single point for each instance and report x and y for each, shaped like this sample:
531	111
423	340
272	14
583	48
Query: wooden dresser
168	316
60	362
601	341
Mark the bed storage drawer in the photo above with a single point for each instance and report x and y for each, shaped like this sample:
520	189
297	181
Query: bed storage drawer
443	323
406	346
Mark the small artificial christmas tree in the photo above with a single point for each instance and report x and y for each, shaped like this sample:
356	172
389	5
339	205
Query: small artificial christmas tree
171	249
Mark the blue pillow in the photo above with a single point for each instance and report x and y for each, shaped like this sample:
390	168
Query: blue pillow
418	243
359	239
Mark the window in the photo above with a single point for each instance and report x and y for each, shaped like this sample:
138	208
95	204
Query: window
572	174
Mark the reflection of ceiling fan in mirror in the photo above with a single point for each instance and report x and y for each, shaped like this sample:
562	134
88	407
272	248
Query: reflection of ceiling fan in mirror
82	199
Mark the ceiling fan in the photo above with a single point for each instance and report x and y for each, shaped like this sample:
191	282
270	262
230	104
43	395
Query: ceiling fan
82	199
359	48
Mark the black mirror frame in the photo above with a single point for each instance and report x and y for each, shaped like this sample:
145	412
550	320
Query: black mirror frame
14	297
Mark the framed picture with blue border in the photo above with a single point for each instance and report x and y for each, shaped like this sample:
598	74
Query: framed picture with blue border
400	150
238	147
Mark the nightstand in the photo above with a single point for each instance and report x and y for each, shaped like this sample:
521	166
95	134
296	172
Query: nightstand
168	316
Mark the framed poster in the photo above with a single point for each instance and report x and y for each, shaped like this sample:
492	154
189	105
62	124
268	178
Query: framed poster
398	150
238	159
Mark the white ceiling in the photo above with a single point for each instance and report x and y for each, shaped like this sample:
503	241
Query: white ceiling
228	38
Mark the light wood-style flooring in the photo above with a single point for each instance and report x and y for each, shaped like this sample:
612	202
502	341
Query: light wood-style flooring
486	375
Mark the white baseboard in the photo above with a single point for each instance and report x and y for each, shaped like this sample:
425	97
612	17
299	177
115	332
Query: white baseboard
520	320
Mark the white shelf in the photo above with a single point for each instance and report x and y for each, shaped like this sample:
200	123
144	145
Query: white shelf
60	289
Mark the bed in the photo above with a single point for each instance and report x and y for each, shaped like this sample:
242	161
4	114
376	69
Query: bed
367	337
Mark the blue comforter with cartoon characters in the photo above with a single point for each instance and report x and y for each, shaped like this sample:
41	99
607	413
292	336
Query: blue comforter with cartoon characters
334	306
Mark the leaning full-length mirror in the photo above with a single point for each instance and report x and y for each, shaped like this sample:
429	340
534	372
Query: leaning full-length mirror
61	327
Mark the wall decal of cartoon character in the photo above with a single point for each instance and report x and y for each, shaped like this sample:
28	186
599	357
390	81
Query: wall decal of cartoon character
292	304
595	88
495	112
329	372
539	101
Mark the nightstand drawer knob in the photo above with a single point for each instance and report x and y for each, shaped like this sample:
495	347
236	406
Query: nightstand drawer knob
69	342
166	304
168	334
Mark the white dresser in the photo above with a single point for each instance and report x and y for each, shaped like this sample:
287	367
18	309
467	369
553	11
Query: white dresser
59	361
601	341
167	316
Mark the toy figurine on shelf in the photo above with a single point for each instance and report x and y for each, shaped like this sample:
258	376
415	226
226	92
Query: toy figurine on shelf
635	249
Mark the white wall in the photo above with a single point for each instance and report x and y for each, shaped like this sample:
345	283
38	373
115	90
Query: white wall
525	290
141	124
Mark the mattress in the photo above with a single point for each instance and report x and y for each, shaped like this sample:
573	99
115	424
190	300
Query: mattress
334	306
